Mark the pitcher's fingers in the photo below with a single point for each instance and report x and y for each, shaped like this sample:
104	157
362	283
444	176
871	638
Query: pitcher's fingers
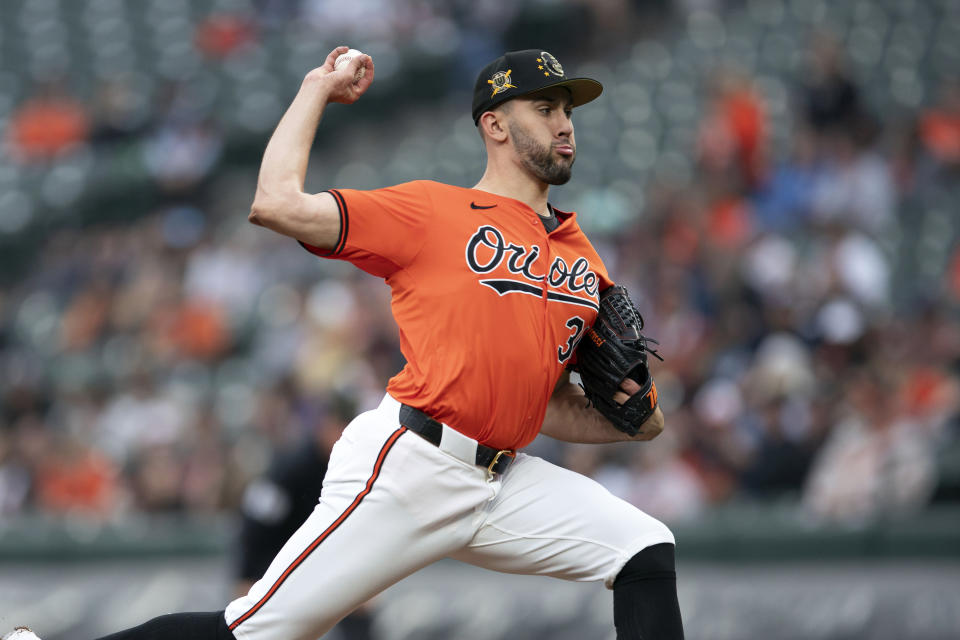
332	57
630	386
364	62
364	82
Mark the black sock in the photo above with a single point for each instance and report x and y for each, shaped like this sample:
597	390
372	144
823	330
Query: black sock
179	626
645	605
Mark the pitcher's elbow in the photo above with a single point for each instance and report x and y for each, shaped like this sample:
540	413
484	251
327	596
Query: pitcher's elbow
263	210
255	216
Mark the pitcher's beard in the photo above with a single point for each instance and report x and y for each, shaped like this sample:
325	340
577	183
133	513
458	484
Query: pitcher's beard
539	159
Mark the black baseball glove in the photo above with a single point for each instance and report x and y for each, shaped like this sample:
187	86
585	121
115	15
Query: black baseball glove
611	351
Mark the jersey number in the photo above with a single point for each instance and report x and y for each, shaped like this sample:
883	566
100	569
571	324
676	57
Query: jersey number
564	351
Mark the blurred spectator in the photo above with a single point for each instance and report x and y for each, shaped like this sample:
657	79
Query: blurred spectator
180	154
222	34
15	478
85	318
47	125
197	329
952	276
76	479
186	141
156	474
138	416
855	187
831	101
609	21
876	461
856	266
277	13
940	126
783	200
367	20
120	109
729	217
733	132
224	274
209	482
780	459
770	268
719	446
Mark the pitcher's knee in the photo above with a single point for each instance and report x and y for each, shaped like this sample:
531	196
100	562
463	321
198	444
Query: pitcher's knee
664	533
648	531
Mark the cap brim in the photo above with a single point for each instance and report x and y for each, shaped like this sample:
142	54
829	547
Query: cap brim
582	90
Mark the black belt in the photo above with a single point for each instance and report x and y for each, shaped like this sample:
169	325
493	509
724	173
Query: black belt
495	460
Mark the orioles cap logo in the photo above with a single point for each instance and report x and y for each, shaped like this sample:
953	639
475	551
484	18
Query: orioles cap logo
501	82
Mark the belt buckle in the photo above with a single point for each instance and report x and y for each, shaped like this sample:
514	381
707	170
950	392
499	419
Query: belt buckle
496	459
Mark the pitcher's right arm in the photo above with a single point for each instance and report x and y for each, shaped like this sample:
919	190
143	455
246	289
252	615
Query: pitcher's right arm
280	203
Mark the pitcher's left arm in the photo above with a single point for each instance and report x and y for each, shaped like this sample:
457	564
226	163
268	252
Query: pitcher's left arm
570	418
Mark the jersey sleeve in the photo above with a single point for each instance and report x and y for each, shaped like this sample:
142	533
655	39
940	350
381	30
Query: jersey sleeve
382	230
605	280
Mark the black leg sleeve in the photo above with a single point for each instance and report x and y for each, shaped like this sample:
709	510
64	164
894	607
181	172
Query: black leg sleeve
179	626
645	605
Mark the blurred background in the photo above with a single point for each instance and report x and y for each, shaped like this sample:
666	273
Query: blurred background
775	181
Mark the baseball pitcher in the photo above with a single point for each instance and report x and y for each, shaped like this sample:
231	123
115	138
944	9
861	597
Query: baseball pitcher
497	295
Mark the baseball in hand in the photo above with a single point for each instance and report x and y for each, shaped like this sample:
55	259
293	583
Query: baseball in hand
345	58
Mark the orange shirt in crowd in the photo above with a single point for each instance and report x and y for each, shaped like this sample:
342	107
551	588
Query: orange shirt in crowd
43	127
940	132
220	35
734	132
200	330
78	481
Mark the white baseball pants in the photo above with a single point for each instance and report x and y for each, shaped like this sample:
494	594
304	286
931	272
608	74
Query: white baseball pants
393	503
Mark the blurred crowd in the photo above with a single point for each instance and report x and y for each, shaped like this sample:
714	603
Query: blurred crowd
153	366
103	97
796	371
171	97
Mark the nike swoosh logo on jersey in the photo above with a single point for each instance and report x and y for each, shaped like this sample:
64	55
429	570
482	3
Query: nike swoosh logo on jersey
474	205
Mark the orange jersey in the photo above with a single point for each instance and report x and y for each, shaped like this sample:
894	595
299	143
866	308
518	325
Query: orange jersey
489	306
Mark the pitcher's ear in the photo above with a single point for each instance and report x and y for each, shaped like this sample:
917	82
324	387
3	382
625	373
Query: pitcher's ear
493	125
